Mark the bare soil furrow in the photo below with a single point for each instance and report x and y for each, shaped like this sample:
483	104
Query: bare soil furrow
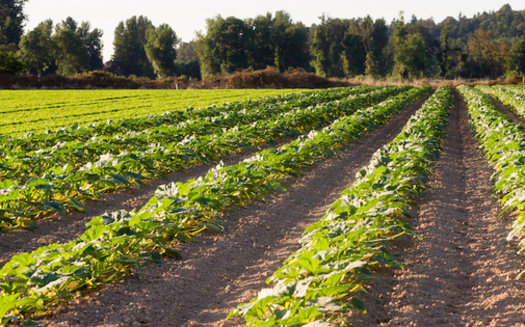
221	270
462	273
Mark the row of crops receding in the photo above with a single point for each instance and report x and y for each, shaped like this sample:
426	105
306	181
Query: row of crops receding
47	172
35	111
58	177
503	143
319	282
116	242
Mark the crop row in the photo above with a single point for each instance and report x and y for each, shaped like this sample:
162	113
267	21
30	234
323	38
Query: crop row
518	89
90	145
83	133
503	143
320	281
117	241
507	95
33	185
38	111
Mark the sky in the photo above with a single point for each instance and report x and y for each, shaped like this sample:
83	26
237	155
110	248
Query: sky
187	17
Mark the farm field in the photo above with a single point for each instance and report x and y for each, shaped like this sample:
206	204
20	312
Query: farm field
54	171
362	170
35	111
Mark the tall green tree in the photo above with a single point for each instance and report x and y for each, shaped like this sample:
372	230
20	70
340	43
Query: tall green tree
160	49
517	57
224	48
354	55
399	39
374	37
12	19
410	57
78	49
92	43
71	56
488	55
378	45
443	54
37	49
428	31
326	47
262	52
365	29
129	55
289	41
277	41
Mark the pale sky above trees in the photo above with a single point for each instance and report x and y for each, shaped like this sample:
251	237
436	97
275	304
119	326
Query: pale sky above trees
187	17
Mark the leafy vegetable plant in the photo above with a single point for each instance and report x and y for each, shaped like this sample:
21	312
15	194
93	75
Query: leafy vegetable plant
503	143
59	178
322	279
118	241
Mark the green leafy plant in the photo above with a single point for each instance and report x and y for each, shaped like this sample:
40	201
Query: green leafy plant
118	241
513	96
502	141
323	278
105	164
41	111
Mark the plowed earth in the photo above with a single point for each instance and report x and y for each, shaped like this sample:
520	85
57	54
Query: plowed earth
461	273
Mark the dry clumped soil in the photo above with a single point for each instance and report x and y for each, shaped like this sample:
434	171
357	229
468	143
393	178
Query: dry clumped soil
460	274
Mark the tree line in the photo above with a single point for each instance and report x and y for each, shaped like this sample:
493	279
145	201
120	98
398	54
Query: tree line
488	45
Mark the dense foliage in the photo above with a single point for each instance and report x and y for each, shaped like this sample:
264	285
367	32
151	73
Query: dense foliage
67	48
116	242
129	57
488	45
53	180
160	49
502	142
9	63
323	278
231	44
12	19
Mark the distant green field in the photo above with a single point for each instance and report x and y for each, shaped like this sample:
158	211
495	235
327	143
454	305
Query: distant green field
36	111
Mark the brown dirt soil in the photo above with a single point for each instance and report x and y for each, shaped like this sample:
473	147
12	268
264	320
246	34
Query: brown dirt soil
462	273
221	270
